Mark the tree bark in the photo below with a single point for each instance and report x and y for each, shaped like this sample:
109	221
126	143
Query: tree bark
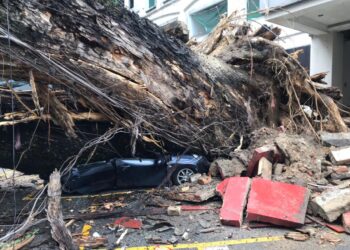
110	61
59	232
128	69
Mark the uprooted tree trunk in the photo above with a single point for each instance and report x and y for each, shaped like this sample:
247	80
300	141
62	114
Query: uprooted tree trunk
111	62
59	231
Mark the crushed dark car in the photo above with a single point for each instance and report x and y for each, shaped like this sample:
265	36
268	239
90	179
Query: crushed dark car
121	173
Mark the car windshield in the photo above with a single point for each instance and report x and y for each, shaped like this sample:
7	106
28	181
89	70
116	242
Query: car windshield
18	86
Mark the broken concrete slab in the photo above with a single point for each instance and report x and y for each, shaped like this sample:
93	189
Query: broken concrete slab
221	187
265	168
194	178
267	151
278	169
335	139
340	173
297	236
340	176
204	180
346	221
296	148
204	223
194	192
234	201
331	204
174	210
340	169
341	155
277	203
228	168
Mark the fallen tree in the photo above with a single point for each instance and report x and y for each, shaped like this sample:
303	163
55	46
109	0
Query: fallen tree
83	58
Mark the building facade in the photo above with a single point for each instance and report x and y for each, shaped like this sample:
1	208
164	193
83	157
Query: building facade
320	27
199	16
328	24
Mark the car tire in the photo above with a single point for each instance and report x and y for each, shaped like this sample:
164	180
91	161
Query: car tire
66	190
182	175
66	187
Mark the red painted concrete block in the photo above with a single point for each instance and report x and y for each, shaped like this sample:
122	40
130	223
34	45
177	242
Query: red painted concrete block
128	223
235	199
267	151
340	169
221	187
346	221
335	228
277	203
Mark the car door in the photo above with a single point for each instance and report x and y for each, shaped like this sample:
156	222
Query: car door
140	173
97	177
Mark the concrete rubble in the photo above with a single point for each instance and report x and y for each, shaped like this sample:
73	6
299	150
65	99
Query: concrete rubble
335	139
280	180
265	168
234	200
331	204
272	182
174	210
226	168
277	203
346	221
98	66
341	155
10	179
297	166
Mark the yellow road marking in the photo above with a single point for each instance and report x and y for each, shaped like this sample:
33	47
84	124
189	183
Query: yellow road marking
204	245
31	195
95	195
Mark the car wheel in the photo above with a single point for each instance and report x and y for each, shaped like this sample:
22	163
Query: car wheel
66	186
182	175
66	190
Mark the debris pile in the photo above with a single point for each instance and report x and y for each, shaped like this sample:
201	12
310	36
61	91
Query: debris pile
91	64
124	71
12	179
283	179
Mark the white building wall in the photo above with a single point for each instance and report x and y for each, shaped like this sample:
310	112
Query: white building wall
329	52
239	6
289	38
180	10
346	73
327	56
338	60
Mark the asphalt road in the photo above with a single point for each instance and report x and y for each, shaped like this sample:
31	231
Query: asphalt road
192	222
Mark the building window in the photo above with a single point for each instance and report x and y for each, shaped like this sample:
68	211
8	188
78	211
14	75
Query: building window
131	4
204	21
151	4
304	58
253	7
